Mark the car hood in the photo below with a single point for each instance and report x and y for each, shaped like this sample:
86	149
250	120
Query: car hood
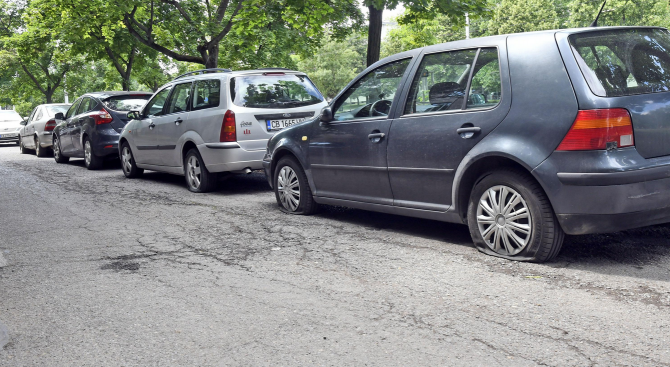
9	126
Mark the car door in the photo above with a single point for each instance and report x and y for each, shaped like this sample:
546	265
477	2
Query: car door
77	124
454	100
65	128
347	156
24	133
173	125
144	135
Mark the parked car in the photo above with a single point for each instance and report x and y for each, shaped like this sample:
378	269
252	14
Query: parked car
10	124
523	137
37	129
212	121
91	127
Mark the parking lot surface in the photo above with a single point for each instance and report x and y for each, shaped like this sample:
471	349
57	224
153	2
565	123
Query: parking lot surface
100	270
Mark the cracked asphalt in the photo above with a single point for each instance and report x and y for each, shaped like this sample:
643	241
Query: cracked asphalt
99	270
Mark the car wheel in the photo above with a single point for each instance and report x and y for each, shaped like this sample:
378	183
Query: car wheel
198	178
39	151
24	150
128	165
510	216
91	160
58	154
292	189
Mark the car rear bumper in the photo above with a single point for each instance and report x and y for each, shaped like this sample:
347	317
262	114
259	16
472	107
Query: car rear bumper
46	139
230	157
105	142
267	168
599	192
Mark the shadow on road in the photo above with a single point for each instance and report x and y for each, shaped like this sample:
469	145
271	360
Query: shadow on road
231	185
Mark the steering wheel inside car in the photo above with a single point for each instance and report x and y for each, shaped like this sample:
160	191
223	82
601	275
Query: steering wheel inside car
380	108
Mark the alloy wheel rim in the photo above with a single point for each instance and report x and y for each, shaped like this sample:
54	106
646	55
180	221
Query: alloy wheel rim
56	148
193	172
126	157
87	152
288	188
37	146
504	220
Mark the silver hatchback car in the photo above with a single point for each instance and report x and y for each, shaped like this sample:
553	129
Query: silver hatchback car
213	121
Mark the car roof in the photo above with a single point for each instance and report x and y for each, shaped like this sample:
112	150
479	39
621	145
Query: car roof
233	73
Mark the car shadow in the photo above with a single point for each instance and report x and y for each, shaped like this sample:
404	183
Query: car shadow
226	186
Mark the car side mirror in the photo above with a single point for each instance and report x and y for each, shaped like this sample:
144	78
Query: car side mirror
134	115
326	115
24	123
59	116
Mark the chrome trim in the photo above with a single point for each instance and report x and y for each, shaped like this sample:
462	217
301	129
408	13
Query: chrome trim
230	145
413	169
349	168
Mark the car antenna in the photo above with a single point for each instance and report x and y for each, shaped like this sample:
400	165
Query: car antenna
595	22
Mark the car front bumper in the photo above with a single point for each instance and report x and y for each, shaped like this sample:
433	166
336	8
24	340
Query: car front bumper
9	138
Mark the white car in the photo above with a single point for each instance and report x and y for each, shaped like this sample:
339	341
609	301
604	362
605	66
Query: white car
36	132
213	121
10	124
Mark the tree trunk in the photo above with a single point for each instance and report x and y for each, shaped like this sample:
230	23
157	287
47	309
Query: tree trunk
125	84
49	95
374	34
212	61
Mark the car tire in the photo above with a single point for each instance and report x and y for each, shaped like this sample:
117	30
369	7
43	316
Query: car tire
287	175
58	154
198	178
523	227
39	151
128	165
91	160
22	147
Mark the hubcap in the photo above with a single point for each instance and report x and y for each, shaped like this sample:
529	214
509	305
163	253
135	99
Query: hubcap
193	172
37	146
288	188
56	148
126	158
87	152
504	220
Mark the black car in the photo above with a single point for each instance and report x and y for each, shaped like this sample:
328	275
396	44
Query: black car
91	127
523	137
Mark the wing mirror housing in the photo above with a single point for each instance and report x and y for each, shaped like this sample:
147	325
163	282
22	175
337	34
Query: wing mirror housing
326	115
59	116
134	115
23	123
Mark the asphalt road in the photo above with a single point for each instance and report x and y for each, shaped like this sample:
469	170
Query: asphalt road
99	270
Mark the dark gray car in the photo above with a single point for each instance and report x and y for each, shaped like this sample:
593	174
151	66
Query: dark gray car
523	137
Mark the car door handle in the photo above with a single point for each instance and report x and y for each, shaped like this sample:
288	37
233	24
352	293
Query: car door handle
464	130
152	125
178	121
376	137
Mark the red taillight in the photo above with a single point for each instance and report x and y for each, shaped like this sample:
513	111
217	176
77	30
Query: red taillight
594	129
228	132
50	125
102	117
274	73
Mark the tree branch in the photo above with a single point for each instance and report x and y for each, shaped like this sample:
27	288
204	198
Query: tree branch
223	6
150	43
225	30
32	77
181	10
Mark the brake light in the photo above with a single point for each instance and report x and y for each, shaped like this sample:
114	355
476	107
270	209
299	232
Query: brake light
228	131
102	117
599	129
50	125
274	73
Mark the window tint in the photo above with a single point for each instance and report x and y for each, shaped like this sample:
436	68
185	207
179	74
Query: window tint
84	106
624	61
126	103
72	109
440	82
274	91
372	95
485	87
206	94
155	106
53	110
179	99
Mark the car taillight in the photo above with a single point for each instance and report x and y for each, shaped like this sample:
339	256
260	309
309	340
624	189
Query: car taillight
102	117
228	132
50	125
599	129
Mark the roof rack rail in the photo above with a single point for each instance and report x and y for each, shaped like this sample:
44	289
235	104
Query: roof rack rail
273	69
203	71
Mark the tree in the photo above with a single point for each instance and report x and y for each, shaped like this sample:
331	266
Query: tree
619	13
514	16
192	30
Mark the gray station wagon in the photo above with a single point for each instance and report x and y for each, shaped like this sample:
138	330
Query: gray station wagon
523	137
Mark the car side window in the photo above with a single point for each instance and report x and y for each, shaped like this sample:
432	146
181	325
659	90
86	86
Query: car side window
72	109
440	82
38	115
32	115
155	106
485	87
84	106
206	94
372	95
179	98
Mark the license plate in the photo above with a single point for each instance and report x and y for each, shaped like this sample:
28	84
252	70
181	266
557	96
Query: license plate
280	124
7	135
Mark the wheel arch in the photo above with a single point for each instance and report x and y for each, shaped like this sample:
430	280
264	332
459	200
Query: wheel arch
188	145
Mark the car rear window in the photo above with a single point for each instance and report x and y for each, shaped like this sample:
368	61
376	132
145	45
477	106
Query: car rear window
624	61
126	103
9	115
274	91
53	110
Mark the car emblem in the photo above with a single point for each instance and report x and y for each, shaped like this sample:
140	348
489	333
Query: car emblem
287	115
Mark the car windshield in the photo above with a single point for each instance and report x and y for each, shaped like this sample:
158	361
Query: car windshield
274	91
126	103
9	116
53	110
624	61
